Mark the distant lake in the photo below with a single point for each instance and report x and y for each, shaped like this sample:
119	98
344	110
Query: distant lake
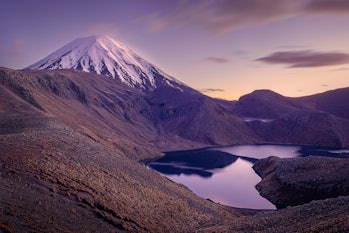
225	174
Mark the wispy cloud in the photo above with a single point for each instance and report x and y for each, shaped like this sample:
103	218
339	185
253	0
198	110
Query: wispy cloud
327	6
223	16
103	28
292	47
16	48
219	60
155	23
210	90
240	52
341	69
306	58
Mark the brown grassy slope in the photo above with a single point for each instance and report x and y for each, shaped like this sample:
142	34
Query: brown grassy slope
55	178
17	115
58	165
327	216
104	109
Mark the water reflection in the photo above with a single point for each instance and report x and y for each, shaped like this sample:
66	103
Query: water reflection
225	174
262	151
232	185
200	162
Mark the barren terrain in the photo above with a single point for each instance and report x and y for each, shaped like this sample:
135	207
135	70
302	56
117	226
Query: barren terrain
70	146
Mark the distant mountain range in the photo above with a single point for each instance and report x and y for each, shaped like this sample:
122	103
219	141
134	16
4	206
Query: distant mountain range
168	118
303	120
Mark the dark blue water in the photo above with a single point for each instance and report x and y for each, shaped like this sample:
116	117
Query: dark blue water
225	174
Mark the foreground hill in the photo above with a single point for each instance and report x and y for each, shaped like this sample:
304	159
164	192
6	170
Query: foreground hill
55	178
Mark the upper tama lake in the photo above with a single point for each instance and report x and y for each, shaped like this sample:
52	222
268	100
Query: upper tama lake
225	174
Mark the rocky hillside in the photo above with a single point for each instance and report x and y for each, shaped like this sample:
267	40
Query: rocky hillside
279	119
295	181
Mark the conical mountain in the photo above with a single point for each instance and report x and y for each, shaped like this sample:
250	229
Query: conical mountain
105	56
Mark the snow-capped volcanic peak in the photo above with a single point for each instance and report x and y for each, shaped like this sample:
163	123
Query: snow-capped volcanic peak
103	55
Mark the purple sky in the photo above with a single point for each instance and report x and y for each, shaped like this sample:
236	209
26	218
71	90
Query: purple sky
225	48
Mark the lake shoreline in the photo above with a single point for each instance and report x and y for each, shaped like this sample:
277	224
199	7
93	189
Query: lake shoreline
202	169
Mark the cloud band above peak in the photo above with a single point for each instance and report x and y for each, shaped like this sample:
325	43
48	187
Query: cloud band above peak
306	58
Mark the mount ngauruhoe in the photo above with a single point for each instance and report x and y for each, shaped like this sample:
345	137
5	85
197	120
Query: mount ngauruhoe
74	126
103	55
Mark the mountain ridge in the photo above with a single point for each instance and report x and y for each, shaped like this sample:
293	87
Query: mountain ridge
167	118
332	101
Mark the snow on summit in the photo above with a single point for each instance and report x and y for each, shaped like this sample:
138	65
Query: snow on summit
105	56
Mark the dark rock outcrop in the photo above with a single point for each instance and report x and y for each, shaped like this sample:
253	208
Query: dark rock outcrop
295	181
